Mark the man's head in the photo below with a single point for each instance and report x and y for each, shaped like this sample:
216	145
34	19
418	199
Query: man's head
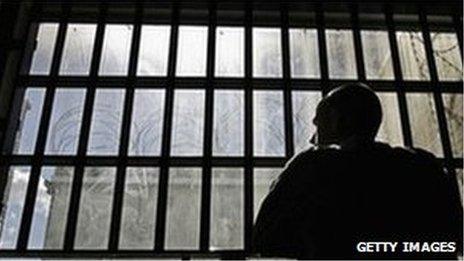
347	112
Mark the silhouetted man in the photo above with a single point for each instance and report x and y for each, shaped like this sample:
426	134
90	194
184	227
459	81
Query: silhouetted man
349	189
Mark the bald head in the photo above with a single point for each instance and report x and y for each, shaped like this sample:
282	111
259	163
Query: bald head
351	110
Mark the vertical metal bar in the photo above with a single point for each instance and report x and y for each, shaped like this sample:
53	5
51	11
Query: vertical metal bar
166	142
84	134
399	83
288	118
42	136
323	60
248	182
125	132
457	21
208	134
357	43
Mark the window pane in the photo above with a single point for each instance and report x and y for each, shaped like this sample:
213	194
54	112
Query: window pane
29	121
304	53
268	123
65	122
459	177
139	209
51	208
93	223
183	213
230	52
116	50
447	56
77	50
227	209
228	129
262	180
13	204
340	54
424	123
154	50
390	129
187	123
377	56
43	53
191	53
147	123
453	111
304	111
267	53
105	127
412	56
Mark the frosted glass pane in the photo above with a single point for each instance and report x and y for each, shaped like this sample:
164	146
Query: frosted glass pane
13	205
116	50
105	127
187	123
377	56
29	121
424	123
93	222
340	54
147	123
229	125
304	111
262	181
230	52
268	123
191	52
459	177
154	50
77	50
447	56
227	207
65	122
267	53
139	209
43	53
183	213
412	56
51	208
304	53
390	129
453	110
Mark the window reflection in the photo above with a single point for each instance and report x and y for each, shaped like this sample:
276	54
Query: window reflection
447	56
304	53
340	54
116	50
412	56
191	51
377	56
154	50
267	53
230	52
77	50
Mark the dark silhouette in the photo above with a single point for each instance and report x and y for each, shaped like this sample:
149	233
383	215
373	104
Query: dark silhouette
349	189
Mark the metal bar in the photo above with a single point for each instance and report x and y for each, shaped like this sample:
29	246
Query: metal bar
358	50
323	60
457	21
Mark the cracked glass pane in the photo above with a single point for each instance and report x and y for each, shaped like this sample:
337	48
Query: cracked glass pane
390	129
191	51
229	125
29	121
304	53
447	56
227	205
424	122
262	181
230	52
116	50
154	50
304	110
412	56
77	50
147	123
139	208
13	205
105	127
187	123
340	54
51	208
43	53
452	104
94	218
268	123
377	56
267	53
183	212
65	122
